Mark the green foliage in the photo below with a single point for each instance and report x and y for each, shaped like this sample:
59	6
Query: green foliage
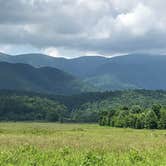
44	79
21	108
162	120
93	159
151	120
140	122
156	108
118	108
136	117
136	109
86	113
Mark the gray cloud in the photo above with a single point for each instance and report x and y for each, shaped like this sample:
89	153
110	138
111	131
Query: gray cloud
101	26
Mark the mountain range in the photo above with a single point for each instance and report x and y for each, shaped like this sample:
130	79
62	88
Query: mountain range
80	67
45	79
133	71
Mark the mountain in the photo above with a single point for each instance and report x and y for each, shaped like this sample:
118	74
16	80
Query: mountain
80	67
134	71
131	72
45	79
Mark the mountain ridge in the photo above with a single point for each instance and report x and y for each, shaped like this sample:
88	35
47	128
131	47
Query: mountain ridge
73	66
133	71
45	79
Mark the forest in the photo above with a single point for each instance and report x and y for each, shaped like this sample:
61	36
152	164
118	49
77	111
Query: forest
135	117
131	108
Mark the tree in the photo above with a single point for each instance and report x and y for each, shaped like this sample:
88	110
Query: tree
156	108
140	121
52	115
110	115
151	120
120	120
103	118
136	109
130	120
62	112
162	121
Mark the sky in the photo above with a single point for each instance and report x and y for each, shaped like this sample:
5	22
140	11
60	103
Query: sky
72	28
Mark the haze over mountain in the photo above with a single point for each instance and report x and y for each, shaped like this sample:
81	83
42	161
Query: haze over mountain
136	71
133	71
45	79
81	66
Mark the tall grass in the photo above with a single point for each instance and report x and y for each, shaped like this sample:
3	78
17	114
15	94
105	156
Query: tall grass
52	144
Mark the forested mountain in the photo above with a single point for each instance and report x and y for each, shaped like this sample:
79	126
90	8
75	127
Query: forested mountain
80	67
131	72
136	71
45	79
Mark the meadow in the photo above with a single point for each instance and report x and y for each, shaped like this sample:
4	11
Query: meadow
54	144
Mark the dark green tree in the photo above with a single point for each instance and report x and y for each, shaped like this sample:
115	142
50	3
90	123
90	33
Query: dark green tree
156	108
136	109
140	121
162	121
151	120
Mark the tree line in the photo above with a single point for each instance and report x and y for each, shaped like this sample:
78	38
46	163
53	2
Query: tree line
135	117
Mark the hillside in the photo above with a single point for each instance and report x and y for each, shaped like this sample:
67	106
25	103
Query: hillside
134	71
80	67
45	79
28	108
131	72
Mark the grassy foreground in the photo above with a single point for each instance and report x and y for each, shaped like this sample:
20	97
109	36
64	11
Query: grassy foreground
52	144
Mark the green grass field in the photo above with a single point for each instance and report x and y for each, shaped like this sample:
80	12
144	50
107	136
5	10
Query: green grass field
52	144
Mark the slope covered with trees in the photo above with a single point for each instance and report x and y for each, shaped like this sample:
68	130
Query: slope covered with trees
44	80
136	109
28	108
135	71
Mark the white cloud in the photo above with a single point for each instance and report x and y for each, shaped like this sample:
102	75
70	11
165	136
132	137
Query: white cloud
101	26
51	51
138	22
124	6
4	48
92	53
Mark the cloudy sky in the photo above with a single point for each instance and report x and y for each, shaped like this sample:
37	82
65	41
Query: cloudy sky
82	27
